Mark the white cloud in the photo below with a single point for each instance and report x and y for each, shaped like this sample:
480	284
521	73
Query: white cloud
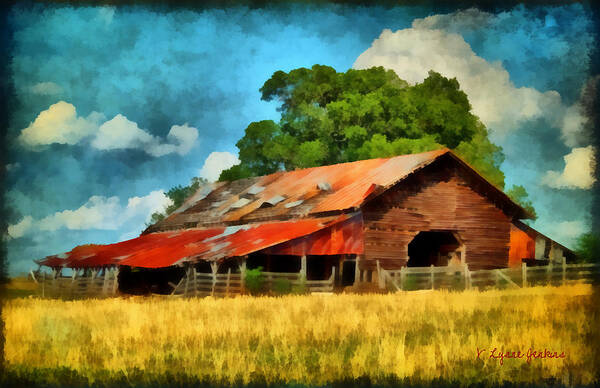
145	206
59	124
511	43
181	140
121	133
22	227
501	106
46	88
99	212
471	18
573	124
184	136
578	173
215	163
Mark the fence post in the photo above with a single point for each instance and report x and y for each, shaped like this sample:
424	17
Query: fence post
524	274
105	284
187	280
116	282
303	266
43	283
549	273
332	277
431	270
380	280
53	289
564	270
402	275
195	281
227	284
470	279
466	275
243	274
213	268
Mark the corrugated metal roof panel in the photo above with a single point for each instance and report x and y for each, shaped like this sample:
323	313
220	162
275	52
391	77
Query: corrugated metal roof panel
240	203
163	249
334	188
255	189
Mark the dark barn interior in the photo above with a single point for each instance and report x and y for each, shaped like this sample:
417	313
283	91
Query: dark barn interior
431	248
145	281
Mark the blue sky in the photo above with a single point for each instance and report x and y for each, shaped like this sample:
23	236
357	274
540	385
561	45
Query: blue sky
114	106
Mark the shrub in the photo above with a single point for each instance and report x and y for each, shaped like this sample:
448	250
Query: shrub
282	286
254	280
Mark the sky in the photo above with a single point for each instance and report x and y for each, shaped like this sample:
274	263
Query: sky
115	105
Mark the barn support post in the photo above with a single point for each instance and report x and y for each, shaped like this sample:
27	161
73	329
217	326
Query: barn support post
341	271
524	274
549	273
213	267
466	275
357	271
303	267
431	271
564	270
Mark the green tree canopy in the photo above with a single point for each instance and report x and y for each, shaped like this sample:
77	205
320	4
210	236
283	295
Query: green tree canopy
329	117
518	194
587	248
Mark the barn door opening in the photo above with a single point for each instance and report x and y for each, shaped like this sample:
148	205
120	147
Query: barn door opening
437	248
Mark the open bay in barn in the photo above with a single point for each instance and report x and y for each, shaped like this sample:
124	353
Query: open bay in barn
533	336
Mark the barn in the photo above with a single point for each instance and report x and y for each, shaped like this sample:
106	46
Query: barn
339	222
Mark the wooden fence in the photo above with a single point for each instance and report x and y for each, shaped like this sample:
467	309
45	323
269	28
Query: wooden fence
461	278
95	284
196	283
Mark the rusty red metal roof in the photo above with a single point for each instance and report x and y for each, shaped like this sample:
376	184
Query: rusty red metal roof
164	249
301	193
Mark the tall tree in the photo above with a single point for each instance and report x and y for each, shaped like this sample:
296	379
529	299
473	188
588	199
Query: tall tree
587	248
329	117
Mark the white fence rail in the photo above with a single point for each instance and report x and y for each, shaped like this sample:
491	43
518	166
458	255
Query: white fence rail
461	278
94	284
230	284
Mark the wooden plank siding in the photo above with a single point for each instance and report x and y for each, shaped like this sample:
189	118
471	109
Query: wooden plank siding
441	197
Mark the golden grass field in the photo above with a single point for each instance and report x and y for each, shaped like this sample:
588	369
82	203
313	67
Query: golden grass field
313	339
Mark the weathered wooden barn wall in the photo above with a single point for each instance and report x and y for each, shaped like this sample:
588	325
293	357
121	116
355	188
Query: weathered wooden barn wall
442	196
522	246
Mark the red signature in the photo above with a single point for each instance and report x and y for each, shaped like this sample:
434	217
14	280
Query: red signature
529	355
